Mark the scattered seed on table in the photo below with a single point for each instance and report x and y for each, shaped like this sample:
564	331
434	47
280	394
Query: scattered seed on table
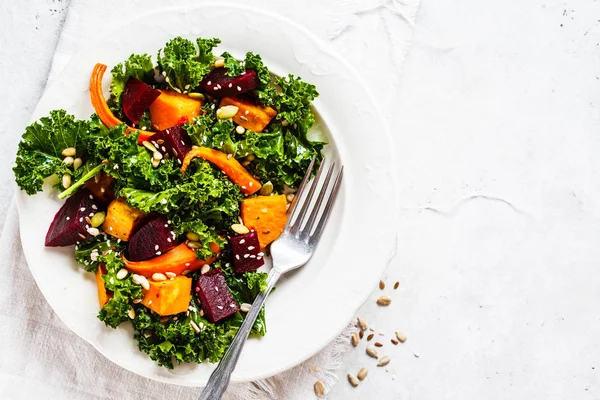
378	344
381	285
355	338
372	352
383	361
394	341
362	374
319	389
417	355
384	301
401	336
362	324
370	337
353	380
361	334
396	285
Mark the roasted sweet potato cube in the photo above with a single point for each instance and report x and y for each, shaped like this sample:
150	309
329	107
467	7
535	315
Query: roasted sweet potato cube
169	297
121	219
251	116
172	108
215	297
266	215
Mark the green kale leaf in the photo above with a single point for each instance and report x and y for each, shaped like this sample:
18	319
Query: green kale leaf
184	63
39	154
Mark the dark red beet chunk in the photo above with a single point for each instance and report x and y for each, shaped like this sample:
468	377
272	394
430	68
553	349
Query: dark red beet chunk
69	223
215	297
137	98
175	140
219	84
246	252
152	239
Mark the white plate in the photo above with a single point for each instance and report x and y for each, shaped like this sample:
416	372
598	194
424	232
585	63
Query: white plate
312	305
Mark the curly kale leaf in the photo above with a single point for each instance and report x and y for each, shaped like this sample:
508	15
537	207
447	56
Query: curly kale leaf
39	154
185	63
89	253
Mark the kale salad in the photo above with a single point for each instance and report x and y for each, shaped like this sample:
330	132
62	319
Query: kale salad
174	188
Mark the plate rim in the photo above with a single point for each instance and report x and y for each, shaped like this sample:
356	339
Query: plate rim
386	133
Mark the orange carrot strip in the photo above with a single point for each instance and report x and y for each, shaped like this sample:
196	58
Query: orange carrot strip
102	109
177	260
232	168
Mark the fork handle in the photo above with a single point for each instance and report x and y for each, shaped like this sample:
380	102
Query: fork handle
219	379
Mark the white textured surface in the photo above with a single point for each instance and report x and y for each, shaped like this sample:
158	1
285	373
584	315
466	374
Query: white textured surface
498	297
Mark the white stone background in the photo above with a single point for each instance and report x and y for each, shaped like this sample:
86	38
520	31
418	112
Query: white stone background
496	125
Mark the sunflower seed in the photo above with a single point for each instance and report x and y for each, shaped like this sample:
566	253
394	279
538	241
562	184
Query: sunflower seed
149	146
141	280
131	313
245	307
93	231
69	152
378	344
122	274
362	374
362	324
170	274
401	336
384	301
383	361
68	160
136	301
157	276
355	338
370	337
240	130
381	285
239	228
157	155
66	181
372	352
195	327
319	389
155	163
396	285
353	380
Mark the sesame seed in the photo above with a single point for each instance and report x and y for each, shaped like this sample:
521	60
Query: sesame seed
250	247
156	247
241	241
216	289
158	253
231	84
246	255
68	218
209	83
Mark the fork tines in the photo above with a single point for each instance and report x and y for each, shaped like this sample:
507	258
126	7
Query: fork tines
308	215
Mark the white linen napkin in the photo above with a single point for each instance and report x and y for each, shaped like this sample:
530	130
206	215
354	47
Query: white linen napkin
40	356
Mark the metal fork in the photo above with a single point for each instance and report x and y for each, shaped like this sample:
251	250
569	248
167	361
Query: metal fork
307	217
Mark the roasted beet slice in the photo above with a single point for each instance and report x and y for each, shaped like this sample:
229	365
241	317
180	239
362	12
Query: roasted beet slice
214	295
219	84
175	141
102	187
137	98
69	225
246	252
151	239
